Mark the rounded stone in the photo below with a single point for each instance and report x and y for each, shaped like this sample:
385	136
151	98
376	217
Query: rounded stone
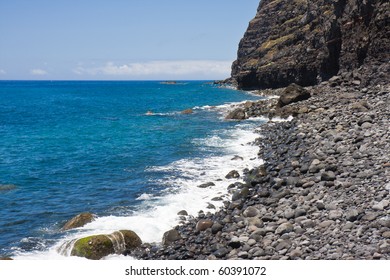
284	228
170	236
98	246
251	212
232	175
182	213
79	221
202	225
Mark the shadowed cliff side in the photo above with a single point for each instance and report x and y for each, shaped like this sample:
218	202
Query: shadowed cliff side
306	42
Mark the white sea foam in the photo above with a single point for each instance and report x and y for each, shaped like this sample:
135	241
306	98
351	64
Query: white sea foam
156	215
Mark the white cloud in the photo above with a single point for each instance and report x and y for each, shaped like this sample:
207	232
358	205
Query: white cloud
161	68
2	72
38	72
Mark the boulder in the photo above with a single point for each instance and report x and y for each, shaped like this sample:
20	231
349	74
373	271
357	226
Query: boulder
182	213
206	185
236	114
93	247
293	93
202	225
170	236
79	221
96	247
232	174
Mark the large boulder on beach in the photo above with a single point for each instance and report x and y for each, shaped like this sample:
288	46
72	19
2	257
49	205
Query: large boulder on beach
96	247
79	221
170	236
293	93
236	114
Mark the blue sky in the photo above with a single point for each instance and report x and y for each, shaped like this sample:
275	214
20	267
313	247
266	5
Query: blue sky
121	39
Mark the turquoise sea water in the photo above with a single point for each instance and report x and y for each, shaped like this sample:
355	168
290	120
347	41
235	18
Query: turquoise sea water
70	147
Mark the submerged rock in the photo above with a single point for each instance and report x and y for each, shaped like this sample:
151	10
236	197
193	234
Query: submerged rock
79	221
232	174
7	187
187	111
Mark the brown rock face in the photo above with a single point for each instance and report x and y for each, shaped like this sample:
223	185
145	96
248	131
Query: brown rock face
79	221
305	42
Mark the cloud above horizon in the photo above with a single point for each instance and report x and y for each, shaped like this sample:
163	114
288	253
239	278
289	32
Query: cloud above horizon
160	68
38	72
2	72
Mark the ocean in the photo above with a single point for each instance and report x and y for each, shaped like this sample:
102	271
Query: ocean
122	150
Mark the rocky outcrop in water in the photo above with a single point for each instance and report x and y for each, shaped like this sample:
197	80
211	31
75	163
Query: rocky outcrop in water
79	221
305	42
98	246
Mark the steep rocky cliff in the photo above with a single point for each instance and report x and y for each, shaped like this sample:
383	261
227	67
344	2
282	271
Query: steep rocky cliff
306	42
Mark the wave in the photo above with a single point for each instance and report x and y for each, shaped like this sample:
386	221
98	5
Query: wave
179	181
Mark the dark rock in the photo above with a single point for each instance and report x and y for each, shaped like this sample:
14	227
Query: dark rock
311	41
235	244
222	252
237	158
79	221
352	215
182	213
328	176
300	212
232	174
206	185
264	192
293	93
217	227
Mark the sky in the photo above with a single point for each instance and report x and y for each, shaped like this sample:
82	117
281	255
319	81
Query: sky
121	39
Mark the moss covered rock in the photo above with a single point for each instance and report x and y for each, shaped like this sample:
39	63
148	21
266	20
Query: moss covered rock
96	247
93	247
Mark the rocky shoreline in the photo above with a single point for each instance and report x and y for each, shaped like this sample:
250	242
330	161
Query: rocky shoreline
323	191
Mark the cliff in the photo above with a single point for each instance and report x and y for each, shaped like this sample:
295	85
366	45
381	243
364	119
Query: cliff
306	42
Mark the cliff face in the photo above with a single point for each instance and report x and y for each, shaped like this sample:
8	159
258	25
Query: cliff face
305	42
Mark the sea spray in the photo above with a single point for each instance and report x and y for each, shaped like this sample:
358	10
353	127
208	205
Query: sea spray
90	147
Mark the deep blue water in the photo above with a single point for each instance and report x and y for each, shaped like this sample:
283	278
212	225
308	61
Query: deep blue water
69	147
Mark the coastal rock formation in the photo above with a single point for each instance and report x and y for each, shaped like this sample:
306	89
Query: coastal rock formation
79	221
305	42
323	191
98	246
